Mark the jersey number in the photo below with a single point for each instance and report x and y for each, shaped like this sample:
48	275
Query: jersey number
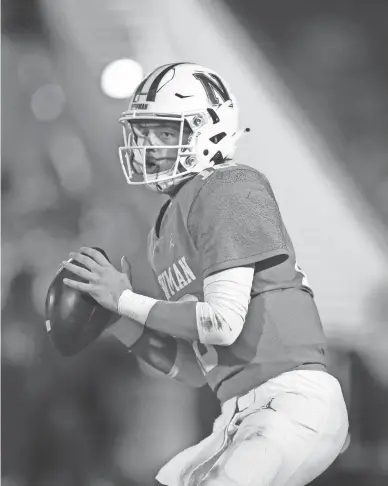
206	355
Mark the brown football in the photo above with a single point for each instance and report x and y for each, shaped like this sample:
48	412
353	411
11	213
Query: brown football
73	318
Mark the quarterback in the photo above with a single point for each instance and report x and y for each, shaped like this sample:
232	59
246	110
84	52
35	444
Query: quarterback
235	309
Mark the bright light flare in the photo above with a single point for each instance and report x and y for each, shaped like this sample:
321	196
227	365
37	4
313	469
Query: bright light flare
120	78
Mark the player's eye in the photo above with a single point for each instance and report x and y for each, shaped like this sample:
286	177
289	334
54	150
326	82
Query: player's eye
168	135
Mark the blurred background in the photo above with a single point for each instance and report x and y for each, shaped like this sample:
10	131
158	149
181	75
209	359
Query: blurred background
311	77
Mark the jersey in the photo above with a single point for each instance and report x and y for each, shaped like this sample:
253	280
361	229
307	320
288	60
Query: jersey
227	216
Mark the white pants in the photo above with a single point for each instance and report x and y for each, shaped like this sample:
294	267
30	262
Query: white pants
286	432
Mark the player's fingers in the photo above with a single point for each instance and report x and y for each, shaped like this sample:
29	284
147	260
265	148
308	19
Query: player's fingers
126	268
85	260
81	272
95	255
84	287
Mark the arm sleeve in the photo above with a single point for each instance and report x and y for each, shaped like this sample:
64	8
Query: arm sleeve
220	319
235	221
217	320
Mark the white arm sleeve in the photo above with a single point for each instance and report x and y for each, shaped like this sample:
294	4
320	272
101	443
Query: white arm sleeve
220	319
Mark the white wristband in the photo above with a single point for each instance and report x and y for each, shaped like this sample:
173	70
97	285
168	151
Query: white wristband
135	306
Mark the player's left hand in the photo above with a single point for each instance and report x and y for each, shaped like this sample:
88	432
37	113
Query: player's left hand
104	283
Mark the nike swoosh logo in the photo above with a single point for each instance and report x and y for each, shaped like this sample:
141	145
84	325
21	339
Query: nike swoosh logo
183	96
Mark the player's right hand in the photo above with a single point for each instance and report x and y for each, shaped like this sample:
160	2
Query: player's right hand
102	282
73	319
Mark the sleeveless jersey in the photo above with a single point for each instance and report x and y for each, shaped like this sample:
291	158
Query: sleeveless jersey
226	217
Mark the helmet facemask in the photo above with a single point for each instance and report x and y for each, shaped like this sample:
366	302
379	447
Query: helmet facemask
143	162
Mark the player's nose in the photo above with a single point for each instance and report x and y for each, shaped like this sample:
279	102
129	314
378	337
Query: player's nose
151	138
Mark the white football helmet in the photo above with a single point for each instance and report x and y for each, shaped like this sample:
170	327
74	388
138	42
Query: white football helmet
200	101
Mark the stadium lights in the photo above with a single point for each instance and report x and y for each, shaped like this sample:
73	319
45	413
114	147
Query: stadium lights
120	78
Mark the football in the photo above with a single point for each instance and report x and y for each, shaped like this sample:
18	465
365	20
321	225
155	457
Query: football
73	318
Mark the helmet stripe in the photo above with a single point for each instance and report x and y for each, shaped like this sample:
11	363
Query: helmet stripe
138	91
148	81
155	84
142	89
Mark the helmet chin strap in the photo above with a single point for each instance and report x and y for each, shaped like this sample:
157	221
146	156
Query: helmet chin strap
166	187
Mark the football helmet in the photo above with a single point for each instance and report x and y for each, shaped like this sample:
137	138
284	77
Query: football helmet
200	104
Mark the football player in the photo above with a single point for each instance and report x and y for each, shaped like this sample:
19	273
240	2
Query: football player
236	311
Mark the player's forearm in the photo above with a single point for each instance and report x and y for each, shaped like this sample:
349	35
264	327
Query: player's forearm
186	368
173	357
127	331
157	350
217	321
176	319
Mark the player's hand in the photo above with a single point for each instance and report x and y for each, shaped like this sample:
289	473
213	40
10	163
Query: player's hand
103	282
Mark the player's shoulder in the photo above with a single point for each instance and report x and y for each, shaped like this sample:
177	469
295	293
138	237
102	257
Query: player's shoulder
221	177
230	173
224	179
215	184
